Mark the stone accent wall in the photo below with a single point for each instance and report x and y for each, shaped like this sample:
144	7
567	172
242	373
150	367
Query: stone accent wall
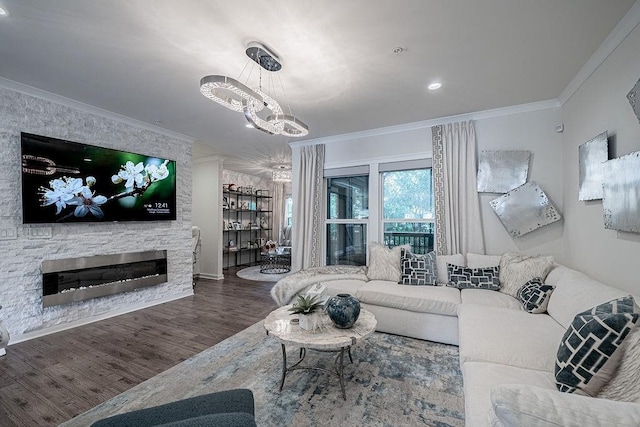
24	247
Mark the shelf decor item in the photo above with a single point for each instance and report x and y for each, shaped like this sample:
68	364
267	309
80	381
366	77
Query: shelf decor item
308	308
343	310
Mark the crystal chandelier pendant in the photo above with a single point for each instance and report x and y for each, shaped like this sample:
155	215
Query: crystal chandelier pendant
230	93
238	97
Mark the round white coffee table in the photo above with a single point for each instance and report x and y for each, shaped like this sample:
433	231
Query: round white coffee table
283	326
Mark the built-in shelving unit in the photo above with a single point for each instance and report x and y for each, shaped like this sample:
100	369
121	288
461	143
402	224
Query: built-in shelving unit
247	224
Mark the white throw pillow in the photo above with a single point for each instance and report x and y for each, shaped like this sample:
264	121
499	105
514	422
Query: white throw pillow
482	261
624	386
384	263
516	270
441	265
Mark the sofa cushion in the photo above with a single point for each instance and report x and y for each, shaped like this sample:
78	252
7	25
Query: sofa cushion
481	261
481	377
422	299
534	295
509	337
417	269
441	264
588	353
477	278
526	405
575	292
491	298
384	263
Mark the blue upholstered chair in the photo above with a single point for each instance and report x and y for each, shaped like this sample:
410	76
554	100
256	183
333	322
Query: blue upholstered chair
232	408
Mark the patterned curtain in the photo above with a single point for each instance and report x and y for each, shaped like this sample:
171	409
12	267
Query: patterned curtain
457	205
307	191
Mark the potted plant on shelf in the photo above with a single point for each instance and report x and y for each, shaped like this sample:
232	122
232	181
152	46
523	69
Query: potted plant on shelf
308	308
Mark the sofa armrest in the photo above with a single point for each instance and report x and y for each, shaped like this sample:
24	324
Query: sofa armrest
523	405
223	402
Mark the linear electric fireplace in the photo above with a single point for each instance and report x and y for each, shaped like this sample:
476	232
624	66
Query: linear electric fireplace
79	279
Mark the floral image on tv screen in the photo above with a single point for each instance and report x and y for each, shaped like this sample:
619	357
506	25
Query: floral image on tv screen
65	181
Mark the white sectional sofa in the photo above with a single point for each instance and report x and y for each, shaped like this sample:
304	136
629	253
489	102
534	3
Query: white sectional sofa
507	355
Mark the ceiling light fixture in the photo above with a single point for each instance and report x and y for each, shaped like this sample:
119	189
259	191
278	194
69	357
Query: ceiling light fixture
3	11
281	173
236	96
282	176
434	86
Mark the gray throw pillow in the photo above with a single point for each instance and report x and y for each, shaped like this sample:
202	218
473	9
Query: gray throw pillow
475	278
534	295
588	354
417	269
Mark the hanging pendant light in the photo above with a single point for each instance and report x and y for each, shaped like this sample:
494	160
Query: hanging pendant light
236	96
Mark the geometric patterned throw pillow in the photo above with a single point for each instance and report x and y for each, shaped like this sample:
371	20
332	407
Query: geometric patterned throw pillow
476	278
417	269
534	295
588	356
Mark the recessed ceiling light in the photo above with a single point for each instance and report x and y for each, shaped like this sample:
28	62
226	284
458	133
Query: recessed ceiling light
3	11
434	86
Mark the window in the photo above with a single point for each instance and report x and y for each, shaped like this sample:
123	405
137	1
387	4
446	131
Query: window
407	209
347	217
288	211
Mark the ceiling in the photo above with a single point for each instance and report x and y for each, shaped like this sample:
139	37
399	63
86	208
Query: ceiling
144	59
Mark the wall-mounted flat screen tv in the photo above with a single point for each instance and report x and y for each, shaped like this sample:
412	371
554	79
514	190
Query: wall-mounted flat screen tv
64	181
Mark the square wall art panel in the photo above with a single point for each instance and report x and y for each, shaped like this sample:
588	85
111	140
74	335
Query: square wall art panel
502	170
591	156
632	96
525	209
621	191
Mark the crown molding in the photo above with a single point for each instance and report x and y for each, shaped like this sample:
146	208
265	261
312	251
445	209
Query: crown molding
626	25
209	159
478	115
77	105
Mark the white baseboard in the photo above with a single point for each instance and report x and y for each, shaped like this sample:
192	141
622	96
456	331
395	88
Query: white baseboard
63	327
211	276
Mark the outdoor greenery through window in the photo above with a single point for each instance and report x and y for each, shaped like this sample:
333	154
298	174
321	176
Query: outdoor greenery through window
347	215
407	209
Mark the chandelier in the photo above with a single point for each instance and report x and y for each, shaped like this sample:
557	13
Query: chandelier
261	110
281	173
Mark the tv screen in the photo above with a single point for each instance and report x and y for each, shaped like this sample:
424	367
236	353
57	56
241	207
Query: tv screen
65	181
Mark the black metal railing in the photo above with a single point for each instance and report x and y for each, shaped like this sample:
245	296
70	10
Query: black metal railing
421	243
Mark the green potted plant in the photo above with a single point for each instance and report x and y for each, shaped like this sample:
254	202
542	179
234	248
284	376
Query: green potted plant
307	307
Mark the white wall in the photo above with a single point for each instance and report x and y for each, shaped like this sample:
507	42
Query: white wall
534	131
207	214
601	105
23	252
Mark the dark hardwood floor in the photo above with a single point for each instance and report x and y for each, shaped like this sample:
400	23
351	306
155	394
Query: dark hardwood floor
49	380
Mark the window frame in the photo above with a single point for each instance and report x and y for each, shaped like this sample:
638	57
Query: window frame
345	173
399	167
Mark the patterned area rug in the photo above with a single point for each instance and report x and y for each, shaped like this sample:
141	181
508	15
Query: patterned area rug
253	273
394	381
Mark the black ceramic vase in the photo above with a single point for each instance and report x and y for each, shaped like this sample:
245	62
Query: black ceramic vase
343	310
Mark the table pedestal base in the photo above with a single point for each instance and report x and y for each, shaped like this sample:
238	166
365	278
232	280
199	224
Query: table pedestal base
339	362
